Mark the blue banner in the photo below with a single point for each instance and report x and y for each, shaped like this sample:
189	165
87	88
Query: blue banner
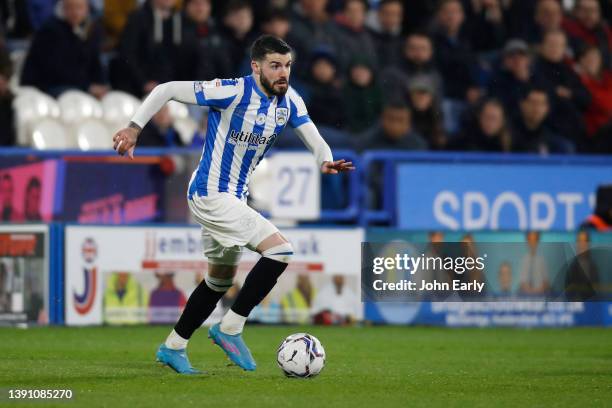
484	196
506	310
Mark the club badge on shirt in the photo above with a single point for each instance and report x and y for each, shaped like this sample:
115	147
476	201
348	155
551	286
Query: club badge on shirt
281	116
261	118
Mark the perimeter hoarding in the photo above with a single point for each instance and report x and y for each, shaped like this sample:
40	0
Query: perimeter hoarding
130	275
24	274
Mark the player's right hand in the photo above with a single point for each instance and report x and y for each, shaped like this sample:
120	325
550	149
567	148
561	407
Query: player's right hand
125	141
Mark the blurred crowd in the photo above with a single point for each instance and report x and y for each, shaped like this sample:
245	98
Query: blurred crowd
475	75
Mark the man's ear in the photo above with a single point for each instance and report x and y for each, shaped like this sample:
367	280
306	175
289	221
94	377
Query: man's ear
256	67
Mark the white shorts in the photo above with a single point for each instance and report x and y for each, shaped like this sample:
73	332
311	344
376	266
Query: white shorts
228	225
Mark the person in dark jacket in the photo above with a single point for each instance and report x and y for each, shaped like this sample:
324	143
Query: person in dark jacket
324	96
589	28
362	96
387	34
531	132
417	60
489	131
203	53
148	48
7	115
568	96
427	118
238	34
353	38
510	81
394	132
453	53
160	132
65	53
311	28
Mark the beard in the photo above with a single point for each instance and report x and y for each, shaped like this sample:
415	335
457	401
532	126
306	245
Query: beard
269	86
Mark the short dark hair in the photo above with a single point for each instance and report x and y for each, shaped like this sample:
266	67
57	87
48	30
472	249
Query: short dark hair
268	44
533	88
275	14
236	5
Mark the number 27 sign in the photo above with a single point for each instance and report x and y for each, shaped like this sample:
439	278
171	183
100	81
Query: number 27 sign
296	187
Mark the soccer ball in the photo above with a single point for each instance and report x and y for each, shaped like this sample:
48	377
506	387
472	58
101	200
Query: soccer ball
301	355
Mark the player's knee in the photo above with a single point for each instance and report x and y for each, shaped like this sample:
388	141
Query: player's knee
280	253
218	284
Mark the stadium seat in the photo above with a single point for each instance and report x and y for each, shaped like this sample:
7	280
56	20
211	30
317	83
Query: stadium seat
178	110
186	128
260	185
93	135
50	134
77	106
118	108
32	106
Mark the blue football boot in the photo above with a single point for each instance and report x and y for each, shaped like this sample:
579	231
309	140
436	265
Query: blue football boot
234	347
175	359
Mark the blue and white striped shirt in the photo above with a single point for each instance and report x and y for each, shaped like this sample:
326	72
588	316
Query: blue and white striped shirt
243	123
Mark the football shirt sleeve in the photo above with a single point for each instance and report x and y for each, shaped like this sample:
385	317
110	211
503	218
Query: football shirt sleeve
217	94
299	113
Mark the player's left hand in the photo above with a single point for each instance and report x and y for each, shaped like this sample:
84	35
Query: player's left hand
125	141
335	167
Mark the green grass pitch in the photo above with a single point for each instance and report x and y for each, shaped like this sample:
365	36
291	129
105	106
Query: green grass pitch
366	367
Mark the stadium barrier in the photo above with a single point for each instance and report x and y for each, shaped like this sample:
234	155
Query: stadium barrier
101	274
475	191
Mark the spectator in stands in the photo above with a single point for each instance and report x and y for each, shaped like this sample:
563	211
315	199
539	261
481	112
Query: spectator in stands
485	26
203	53
159	132
311	28
7	115
489	132
455	60
548	16
530	130
387	33
417	60
65	53
149	47
569	97
114	18
598	81
324	97
353	38
276	22
237	30
362	96
15	19
588	28
513	78
426	111
394	132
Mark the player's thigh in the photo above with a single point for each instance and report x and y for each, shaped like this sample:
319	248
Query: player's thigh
271	241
